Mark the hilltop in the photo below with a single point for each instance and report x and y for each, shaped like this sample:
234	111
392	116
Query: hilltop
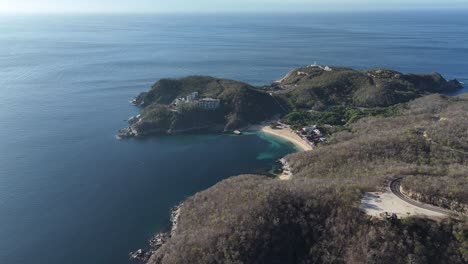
316	87
174	105
208	103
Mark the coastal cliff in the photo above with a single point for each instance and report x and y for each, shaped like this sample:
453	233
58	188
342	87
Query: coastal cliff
207	103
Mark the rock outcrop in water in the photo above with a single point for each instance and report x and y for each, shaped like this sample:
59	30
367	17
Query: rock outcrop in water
155	243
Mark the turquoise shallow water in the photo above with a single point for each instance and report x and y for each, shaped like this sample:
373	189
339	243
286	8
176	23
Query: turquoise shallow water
275	145
71	193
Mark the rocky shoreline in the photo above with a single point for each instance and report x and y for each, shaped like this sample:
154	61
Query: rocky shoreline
130	131
286	170
155	243
134	130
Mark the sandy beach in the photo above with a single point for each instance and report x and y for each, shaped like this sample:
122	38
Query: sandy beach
287	134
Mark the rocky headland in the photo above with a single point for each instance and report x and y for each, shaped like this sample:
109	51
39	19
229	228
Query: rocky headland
207	103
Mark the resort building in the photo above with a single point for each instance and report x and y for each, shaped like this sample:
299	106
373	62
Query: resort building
208	103
192	97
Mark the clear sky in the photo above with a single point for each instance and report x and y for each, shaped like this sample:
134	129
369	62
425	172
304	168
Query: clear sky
210	6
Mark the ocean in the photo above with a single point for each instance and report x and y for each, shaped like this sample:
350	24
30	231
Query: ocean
71	193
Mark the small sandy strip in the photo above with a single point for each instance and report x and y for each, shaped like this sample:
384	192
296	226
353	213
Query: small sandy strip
285	176
377	203
289	135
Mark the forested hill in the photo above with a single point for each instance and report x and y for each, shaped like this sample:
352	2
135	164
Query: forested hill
240	104
317	87
315	217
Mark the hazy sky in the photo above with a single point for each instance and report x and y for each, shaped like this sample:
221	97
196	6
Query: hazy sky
191	6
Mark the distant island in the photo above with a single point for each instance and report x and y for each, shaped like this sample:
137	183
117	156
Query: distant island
207	103
381	177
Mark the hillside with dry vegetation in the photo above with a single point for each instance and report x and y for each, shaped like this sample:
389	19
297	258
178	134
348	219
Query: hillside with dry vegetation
315	216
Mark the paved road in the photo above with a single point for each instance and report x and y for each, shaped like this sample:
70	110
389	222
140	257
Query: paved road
395	188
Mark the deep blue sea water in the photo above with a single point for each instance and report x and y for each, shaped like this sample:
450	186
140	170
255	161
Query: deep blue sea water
71	193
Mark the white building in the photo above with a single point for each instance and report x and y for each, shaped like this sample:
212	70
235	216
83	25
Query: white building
309	130
299	73
314	65
192	97
209	103
179	101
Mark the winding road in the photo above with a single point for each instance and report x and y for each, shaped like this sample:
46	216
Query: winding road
395	188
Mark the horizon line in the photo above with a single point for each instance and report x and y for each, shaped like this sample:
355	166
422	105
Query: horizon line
224	12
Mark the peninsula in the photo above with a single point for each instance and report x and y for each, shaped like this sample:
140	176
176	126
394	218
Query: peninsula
208	103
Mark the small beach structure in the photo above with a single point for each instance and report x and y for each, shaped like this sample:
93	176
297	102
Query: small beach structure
308	130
